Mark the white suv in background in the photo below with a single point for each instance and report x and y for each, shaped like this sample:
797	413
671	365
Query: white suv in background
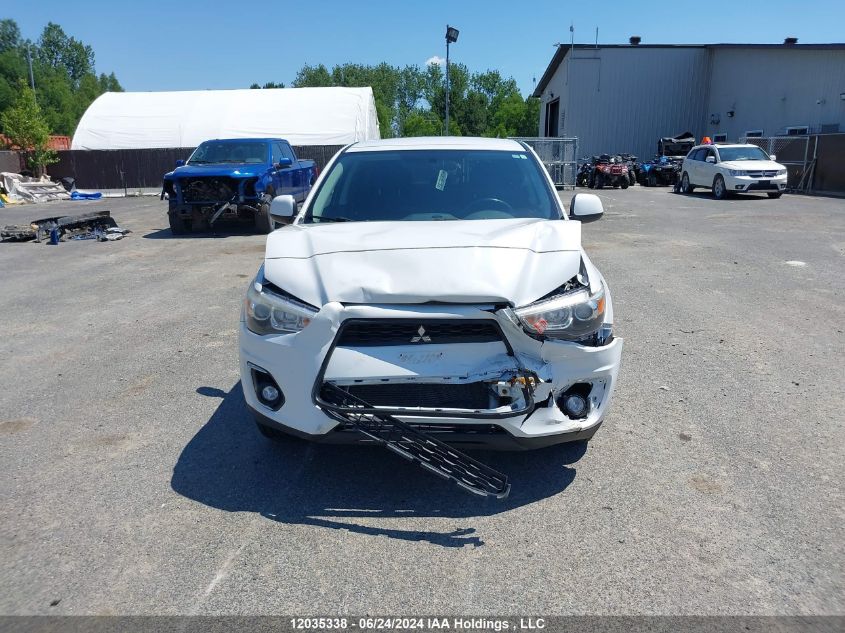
728	169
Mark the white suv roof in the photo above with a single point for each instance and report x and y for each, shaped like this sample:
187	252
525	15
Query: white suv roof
721	145
438	142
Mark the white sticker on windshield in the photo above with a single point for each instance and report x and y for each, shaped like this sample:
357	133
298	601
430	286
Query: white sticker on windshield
520	156
441	180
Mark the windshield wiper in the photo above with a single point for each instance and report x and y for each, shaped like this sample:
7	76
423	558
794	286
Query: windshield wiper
339	218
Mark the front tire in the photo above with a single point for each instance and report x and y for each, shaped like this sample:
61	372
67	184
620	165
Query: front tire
624	183
652	179
178	224
599	181
720	191
264	222
686	186
774	194
272	434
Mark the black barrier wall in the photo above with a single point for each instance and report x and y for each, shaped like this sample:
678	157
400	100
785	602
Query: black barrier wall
134	169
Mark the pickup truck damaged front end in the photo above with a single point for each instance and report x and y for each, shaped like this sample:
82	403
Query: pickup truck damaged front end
467	374
213	196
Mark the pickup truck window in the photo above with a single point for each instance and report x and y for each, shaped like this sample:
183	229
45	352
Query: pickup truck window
277	152
217	152
287	152
433	185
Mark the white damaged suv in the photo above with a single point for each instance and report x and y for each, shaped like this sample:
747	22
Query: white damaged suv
439	281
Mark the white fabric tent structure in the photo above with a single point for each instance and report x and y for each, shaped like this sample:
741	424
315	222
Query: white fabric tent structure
302	116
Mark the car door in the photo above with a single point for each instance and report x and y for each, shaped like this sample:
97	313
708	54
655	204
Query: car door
283	179
691	165
708	167
296	173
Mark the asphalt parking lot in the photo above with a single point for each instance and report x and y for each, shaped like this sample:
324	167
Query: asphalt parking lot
134	482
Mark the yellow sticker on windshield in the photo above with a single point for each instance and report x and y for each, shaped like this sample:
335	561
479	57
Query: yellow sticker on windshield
441	180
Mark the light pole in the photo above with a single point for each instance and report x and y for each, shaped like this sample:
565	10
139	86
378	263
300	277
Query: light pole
451	38
29	61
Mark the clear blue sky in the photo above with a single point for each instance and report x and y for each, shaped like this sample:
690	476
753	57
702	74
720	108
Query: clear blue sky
190	45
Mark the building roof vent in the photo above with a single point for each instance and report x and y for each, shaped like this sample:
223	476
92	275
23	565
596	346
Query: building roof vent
790	40
635	40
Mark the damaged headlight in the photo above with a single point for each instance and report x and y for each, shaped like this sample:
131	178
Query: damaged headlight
268	312
571	316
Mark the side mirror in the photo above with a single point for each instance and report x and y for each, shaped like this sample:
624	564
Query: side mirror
710	159
773	156
284	163
283	208
180	163
585	207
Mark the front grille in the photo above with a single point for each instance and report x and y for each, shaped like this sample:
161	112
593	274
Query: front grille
386	333
474	396
768	186
444	429
762	174
211	189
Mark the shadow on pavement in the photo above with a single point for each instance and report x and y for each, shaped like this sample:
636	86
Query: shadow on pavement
228	465
221	229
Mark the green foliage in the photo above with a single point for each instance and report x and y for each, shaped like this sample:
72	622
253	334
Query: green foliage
269	84
27	129
10	35
63	67
411	101
422	123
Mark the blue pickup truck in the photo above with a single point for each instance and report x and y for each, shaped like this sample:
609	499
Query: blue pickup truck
234	178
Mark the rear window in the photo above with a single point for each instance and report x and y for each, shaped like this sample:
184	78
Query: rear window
433	185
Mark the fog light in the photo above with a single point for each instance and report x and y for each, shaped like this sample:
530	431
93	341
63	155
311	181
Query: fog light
266	389
575	401
269	394
575	405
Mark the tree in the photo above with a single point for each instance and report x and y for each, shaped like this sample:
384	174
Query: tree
65	82
269	84
60	52
422	123
27	130
10	35
411	101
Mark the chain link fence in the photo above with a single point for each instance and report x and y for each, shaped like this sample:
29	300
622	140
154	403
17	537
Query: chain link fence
559	157
795	153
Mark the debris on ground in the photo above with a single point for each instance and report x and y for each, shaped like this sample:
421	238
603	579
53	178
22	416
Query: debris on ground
98	226
19	188
85	195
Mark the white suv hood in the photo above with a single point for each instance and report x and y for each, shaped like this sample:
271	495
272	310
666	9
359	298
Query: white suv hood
475	261
752	165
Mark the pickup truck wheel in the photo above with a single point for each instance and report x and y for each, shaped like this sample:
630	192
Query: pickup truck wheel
720	191
624	183
264	222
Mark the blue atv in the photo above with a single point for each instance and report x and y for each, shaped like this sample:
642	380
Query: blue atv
659	172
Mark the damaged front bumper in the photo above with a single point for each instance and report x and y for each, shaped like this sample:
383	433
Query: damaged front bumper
466	375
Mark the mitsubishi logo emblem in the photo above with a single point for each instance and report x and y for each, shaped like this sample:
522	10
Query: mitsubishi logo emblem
422	338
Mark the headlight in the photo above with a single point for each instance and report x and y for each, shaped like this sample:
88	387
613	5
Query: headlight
737	172
267	312
570	316
781	172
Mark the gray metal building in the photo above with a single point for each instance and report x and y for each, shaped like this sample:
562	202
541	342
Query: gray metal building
622	98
